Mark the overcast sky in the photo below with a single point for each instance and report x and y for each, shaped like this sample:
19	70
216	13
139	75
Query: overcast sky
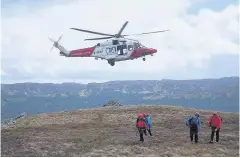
202	41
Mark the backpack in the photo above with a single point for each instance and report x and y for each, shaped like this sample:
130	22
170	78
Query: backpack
141	123
149	120
193	120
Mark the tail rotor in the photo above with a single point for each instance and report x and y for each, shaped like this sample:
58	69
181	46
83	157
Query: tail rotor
55	43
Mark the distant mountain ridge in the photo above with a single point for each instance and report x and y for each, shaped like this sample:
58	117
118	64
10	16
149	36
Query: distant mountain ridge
33	98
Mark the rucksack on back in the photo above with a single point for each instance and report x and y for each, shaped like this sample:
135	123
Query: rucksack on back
149	120
141	123
193	120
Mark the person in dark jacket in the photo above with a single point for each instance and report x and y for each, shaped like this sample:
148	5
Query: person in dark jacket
215	123
194	123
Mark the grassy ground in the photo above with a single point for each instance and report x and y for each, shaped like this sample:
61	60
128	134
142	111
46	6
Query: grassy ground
110	131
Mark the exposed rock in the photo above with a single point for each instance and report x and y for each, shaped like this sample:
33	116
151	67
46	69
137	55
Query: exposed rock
112	103
12	121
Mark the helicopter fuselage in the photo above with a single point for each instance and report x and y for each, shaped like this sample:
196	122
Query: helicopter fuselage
114	50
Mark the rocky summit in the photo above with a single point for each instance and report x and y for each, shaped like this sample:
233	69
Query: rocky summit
112	103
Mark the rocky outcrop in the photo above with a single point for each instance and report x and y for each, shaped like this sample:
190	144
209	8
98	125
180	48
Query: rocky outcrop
12	121
112	103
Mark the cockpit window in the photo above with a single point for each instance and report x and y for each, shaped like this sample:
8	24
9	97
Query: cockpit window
136	45
142	46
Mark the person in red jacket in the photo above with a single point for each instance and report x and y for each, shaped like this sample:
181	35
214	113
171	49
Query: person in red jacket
141	126
215	123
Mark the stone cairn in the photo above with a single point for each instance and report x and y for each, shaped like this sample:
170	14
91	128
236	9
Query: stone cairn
112	103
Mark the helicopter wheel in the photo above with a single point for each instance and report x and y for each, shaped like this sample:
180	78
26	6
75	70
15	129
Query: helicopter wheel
112	63
144	59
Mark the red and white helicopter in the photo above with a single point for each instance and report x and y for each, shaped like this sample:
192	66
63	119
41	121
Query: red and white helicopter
118	48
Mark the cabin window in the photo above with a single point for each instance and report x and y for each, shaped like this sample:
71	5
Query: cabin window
130	47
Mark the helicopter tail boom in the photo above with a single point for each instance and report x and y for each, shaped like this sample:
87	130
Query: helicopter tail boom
84	52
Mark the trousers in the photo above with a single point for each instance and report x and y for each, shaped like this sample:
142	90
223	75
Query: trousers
141	131
213	133
194	132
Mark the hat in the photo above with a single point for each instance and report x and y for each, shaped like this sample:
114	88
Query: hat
215	113
140	115
196	114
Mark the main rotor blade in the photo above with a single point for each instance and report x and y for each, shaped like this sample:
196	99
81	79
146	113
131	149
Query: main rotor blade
97	38
123	27
98	33
131	39
146	33
59	38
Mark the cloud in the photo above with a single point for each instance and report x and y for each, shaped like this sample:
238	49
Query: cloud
192	41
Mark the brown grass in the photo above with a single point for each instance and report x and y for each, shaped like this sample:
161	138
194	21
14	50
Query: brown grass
110	131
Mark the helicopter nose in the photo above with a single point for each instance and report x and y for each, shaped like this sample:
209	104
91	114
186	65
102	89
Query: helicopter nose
152	50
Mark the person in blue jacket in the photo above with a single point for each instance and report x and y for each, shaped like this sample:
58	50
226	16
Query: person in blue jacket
148	122
194	123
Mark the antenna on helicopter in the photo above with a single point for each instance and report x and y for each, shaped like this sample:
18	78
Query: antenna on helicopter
118	35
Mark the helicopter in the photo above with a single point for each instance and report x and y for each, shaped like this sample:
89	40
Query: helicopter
116	48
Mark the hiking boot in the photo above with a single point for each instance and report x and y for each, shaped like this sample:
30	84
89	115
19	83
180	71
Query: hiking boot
211	142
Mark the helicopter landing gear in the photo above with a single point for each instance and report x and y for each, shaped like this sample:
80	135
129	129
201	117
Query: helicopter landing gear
112	63
144	59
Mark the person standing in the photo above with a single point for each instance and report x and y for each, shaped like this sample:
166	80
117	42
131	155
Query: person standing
141	126
148	120
194	123
215	123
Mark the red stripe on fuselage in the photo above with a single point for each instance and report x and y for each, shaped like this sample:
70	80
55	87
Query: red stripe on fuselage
141	52
84	52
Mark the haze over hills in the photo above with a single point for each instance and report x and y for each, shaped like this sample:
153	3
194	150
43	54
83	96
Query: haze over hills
34	98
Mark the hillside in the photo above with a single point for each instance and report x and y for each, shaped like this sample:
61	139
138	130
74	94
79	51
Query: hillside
110	131
35	98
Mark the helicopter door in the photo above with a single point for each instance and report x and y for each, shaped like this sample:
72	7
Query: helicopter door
122	49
